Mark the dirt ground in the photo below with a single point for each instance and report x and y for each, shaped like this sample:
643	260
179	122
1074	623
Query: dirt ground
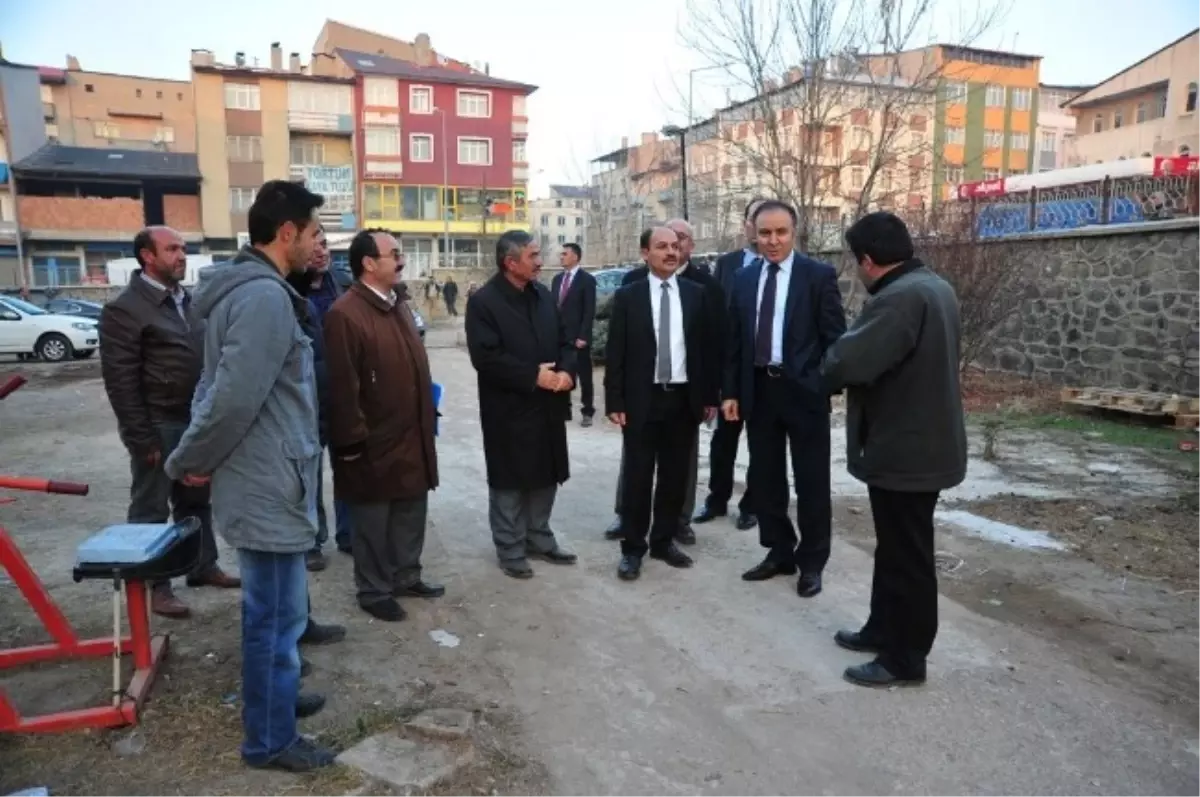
1080	664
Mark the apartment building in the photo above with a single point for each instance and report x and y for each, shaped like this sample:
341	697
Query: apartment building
560	218
1148	108
278	121
22	133
631	187
1054	146
442	156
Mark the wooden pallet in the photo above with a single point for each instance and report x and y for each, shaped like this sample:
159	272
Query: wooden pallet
1184	409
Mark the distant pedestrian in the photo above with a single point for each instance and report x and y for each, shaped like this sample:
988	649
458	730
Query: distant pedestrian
450	294
524	364
905	438
381	417
575	291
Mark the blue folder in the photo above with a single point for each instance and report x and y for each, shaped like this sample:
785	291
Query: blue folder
438	390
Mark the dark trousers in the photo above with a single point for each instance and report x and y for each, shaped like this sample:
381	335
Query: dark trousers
904	584
775	425
722	453
450	302
587	390
155	498
389	537
689	493
662	444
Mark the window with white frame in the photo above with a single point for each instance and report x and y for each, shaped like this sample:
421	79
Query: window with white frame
318	98
991	174
240	199
382	91
382	140
475	151
856	178
243	149
519	106
1049	141
518	154
861	136
475	104
420	99
956	135
562	221
308	153
164	134
242	97
954	174
994	97
993	139
1141	112
1022	99
1018	141
1118	119
956	91
1098	123
106	130
420	148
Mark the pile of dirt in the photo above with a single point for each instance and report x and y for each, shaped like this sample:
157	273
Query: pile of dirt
1154	539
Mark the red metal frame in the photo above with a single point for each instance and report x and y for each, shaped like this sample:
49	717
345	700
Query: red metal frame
148	652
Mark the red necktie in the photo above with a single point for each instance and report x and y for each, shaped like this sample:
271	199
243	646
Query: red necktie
566	285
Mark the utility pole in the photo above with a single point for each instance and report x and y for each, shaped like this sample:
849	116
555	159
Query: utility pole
446	253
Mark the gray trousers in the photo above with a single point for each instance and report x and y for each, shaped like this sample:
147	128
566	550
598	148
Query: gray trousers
689	497
388	539
520	521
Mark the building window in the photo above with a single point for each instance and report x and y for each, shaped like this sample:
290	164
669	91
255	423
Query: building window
475	151
1049	141
1160	106
995	96
991	174
579	221
993	139
89	88
1098	123
1190	102
856	178
319	98
545	220
164	134
420	148
1118	119
562	221
420	99
914	179
381	91
956	135
158	95
519	155
475	104
1140	115
916	140
308	153
956	91
244	149
1018	141
382	140
1022	99
106	130
562	239
179	95
519	106
240	199
137	93
954	174
242	96
861	137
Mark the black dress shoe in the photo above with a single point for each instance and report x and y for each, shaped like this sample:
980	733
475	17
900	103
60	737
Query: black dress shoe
768	569
672	556
709	513
684	535
315	561
809	585
302	756
746	521
420	590
615	531
387	610
322	633
854	640
630	567
305	667
307	705
519	569
873	673
557	557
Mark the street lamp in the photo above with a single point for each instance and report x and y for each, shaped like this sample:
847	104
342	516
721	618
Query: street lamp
445	188
675	131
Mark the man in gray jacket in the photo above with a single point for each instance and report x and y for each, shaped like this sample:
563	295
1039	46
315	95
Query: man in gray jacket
905	439
254	434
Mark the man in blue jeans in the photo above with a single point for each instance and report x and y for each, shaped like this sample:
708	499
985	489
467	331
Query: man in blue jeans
253	436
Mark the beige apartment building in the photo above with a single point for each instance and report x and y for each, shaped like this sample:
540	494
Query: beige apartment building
560	219
631	187
1146	109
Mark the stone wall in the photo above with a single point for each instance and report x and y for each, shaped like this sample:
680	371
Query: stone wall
1107	307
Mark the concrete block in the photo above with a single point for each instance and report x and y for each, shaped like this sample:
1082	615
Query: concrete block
407	764
443	723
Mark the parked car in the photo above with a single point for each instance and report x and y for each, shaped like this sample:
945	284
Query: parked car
28	329
607	281
77	307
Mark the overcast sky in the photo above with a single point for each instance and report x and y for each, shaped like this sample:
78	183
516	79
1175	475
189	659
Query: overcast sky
604	69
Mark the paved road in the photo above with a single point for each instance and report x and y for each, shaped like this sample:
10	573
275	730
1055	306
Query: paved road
695	682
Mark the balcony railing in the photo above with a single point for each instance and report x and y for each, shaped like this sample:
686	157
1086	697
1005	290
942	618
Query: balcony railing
48	111
520	172
319	121
520	128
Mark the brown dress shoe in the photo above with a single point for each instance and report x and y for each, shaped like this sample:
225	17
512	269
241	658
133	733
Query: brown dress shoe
214	577
164	603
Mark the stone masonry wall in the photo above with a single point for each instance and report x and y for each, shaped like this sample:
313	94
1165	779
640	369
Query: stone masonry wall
1116	308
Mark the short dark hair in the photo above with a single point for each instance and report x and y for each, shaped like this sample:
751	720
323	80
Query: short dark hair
510	244
362	246
648	233
775	204
576	248
881	235
750	205
277	203
143	240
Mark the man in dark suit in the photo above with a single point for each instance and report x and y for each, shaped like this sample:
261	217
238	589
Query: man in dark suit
661	382
786	312
575	291
722	451
697	273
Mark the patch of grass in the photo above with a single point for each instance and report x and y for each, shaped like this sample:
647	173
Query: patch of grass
1117	431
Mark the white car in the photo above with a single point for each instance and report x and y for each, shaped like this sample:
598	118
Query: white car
28	329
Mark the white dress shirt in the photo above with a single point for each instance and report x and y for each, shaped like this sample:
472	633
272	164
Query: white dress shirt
389	297
178	295
678	345
748	256
782	281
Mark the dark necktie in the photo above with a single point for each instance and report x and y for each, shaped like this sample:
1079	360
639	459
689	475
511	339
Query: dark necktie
766	319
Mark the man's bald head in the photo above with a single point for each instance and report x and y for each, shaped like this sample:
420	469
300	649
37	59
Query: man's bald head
686	234
162	254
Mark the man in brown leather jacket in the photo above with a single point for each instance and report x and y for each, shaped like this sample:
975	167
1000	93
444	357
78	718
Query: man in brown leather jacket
150	356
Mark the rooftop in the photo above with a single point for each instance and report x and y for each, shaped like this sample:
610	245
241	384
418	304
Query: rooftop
59	160
374	64
570	191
